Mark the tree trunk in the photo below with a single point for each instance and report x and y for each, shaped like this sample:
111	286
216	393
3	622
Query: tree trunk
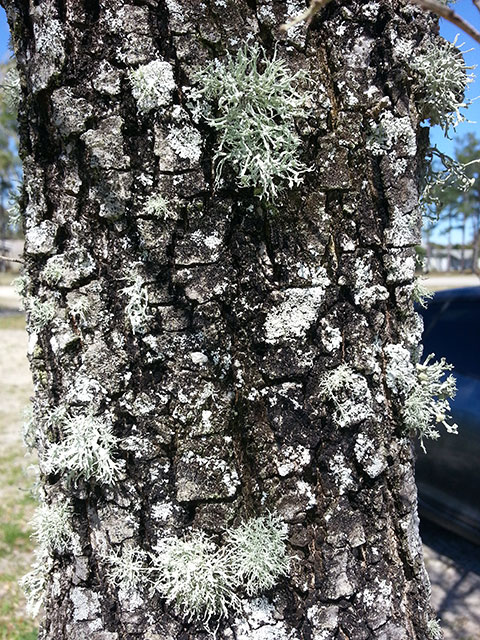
215	390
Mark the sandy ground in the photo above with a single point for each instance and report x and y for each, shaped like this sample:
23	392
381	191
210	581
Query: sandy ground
451	281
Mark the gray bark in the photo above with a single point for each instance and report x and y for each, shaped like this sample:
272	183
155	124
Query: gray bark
217	403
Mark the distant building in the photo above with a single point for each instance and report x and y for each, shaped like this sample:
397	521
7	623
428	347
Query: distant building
442	259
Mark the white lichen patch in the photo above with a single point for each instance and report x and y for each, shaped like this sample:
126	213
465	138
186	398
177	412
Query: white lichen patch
377	600
152	85
105	144
324	621
349	393
370	456
186	142
366	293
70	113
292	459
40	239
296	312
400	371
86	604
259	621
392	132
49	37
400	266
341	472
331	336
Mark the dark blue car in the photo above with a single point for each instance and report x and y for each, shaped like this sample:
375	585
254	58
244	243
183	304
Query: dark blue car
448	476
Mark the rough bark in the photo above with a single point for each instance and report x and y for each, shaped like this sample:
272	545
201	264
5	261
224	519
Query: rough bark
218	403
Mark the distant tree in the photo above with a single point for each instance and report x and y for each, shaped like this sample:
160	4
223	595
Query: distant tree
467	151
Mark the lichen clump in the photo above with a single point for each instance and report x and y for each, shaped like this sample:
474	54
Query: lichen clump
152	85
428	403
441	77
256	103
202	580
86	451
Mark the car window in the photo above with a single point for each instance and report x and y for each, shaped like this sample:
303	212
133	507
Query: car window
452	330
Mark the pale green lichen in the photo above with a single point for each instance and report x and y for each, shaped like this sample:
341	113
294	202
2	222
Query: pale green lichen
194	576
39	314
258	555
437	180
12	89
202	581
35	582
152	85
86	451
441	77
52	273
256	106
158	207
29	429
421	293
52	527
428	403
127	569
434	630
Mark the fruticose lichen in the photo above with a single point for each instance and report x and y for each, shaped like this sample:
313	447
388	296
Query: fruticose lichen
194	576
137	308
158	207
35	582
428	403
426	395
127	569
434	630
86	451
203	581
256	106
258	554
39	314
152	85
442	77
12	89
52	526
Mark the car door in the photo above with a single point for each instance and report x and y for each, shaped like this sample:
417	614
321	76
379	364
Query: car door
448	476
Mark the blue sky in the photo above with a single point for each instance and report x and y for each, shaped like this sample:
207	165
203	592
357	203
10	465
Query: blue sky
468	11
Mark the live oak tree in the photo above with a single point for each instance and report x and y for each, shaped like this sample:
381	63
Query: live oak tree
220	224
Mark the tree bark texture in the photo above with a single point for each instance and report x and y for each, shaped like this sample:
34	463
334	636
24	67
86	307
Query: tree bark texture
218	404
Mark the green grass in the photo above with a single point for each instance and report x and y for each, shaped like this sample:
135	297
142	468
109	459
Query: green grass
12	321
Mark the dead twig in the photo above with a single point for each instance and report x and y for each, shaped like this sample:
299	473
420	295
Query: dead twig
307	15
440	9
7	259
449	14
